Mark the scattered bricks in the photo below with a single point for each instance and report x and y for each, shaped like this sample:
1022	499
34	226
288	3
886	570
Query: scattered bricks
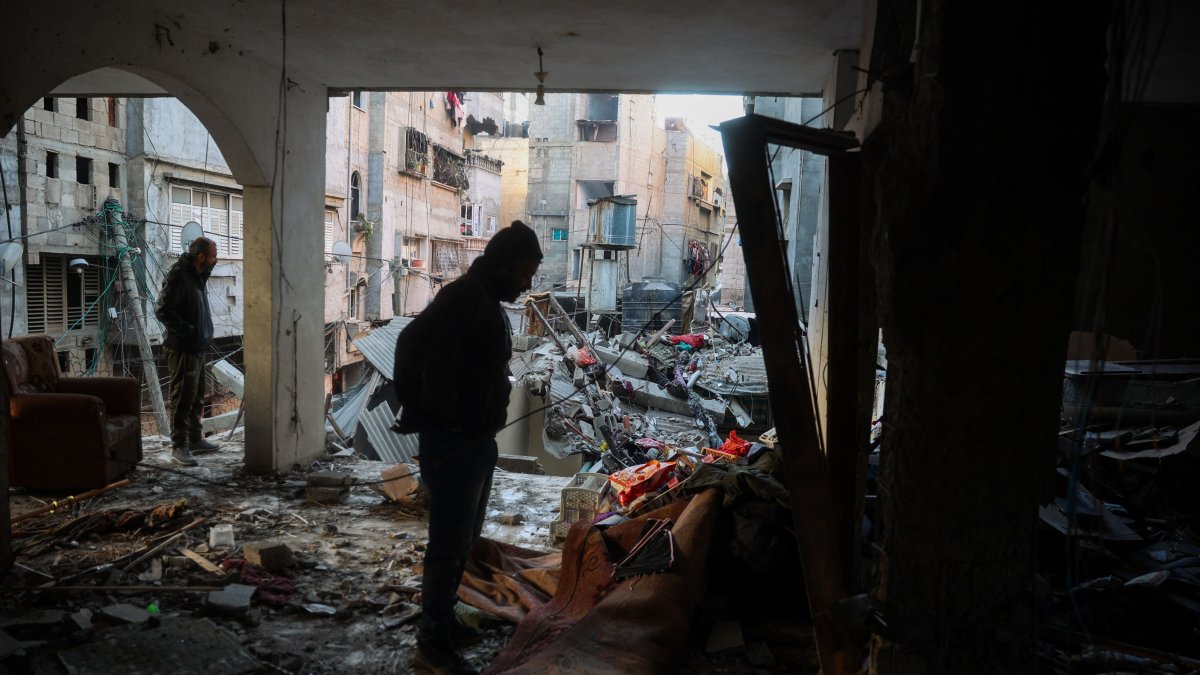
512	519
233	599
271	556
124	613
520	464
725	638
328	487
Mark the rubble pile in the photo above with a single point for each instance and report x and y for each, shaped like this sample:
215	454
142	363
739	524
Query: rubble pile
642	412
1119	557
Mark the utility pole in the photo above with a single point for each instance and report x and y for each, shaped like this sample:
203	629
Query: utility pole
114	217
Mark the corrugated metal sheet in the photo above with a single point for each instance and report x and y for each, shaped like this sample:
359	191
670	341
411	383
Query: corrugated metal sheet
389	445
347	415
379	346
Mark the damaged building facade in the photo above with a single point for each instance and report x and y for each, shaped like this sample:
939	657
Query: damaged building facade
949	224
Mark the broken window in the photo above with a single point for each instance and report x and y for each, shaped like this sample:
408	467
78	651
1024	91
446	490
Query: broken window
698	187
592	189
219	213
414	149
598	132
449	168
58	300
601	107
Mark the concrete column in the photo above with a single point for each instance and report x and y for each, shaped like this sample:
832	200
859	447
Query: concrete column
285	293
378	307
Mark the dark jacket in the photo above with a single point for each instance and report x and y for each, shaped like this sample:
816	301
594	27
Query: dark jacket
451	367
183	308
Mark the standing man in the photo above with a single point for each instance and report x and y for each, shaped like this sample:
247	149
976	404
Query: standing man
183	311
451	379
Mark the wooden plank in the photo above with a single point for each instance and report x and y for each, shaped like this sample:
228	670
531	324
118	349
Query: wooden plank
202	561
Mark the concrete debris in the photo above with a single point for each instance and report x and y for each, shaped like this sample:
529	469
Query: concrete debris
512	519
125	613
233	599
271	556
328	487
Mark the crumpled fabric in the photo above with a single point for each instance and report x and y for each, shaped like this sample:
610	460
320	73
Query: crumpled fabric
273	590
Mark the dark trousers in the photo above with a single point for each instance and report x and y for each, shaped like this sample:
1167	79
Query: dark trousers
456	469
187	396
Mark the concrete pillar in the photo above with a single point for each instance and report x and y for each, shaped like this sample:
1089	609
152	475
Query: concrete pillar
285	293
378	276
977	244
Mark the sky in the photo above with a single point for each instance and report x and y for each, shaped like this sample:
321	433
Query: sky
701	110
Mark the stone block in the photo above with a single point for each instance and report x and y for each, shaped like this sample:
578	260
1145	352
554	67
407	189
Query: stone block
520	464
271	556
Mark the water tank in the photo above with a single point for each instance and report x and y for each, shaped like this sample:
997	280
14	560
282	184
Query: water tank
649	304
612	221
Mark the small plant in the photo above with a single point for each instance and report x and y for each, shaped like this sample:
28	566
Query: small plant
364	225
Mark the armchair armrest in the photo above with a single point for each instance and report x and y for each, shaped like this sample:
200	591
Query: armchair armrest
121	395
62	416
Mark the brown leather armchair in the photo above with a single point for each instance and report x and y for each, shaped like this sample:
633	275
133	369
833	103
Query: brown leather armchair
67	433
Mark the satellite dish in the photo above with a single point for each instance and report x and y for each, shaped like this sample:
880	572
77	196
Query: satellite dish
341	252
10	255
190	233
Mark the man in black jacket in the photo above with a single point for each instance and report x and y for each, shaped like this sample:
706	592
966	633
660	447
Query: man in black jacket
452	381
183	311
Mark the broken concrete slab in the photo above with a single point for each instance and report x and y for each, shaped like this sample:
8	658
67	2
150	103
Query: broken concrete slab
175	646
520	464
82	619
35	619
272	556
233	599
631	363
651	395
126	613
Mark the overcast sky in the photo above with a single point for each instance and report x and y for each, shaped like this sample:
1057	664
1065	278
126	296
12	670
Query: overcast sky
700	111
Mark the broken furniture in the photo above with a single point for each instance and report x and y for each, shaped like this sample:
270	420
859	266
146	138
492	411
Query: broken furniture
580	500
67	433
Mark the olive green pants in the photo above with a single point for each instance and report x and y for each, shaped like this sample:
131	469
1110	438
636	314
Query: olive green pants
187	396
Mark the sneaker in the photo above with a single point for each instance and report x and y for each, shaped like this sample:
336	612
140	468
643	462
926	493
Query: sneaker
435	654
203	446
183	457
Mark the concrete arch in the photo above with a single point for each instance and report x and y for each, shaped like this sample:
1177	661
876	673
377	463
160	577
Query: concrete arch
242	160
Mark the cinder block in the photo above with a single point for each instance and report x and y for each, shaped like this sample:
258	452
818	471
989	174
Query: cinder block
271	556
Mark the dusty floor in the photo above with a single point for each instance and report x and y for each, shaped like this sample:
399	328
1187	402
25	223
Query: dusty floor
348	555
352	610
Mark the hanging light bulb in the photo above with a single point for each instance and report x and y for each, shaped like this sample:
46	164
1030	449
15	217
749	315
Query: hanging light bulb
541	76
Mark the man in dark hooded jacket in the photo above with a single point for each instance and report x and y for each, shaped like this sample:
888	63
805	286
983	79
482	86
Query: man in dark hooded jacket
452	381
184	313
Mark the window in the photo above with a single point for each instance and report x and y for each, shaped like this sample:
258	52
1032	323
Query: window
356	99
112	111
576	264
597	132
491	223
114	175
83	170
59	300
558	234
412	248
51	165
470	216
600	106
446	259
330	230
592	189
355	195
83	108
219	213
50	103
414	148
